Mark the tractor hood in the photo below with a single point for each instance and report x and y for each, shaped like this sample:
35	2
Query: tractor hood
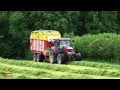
68	49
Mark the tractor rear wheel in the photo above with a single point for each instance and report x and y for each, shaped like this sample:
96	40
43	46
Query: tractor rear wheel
51	56
60	58
35	57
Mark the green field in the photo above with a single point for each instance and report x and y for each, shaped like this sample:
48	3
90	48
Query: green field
22	69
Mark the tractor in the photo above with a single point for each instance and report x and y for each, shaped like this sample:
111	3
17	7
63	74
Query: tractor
63	51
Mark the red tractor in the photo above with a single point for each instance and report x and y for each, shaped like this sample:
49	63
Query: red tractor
63	51
47	45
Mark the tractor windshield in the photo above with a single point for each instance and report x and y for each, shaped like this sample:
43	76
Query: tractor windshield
65	43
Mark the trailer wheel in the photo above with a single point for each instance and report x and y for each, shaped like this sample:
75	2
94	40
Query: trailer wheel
60	58
35	57
40	58
51	56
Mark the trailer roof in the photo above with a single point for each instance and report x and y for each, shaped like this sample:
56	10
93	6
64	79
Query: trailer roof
45	34
46	31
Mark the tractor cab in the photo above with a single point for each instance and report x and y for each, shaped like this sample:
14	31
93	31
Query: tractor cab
62	42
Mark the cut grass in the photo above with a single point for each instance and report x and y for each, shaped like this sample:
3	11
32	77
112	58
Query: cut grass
54	74
100	65
68	68
75	69
37	72
16	76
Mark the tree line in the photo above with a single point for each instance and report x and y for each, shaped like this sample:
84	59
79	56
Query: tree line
16	26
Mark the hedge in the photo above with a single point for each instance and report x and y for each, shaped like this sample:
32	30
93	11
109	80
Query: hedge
101	46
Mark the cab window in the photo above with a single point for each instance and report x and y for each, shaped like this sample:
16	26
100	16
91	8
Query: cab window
56	43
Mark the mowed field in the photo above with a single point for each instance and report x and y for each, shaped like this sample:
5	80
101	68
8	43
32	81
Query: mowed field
24	69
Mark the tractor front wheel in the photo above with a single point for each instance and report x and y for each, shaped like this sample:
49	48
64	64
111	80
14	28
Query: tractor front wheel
78	57
60	58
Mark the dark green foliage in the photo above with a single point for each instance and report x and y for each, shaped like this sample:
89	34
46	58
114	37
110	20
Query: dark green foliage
15	28
82	44
69	35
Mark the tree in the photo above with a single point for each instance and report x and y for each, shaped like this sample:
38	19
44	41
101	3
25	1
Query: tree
19	33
